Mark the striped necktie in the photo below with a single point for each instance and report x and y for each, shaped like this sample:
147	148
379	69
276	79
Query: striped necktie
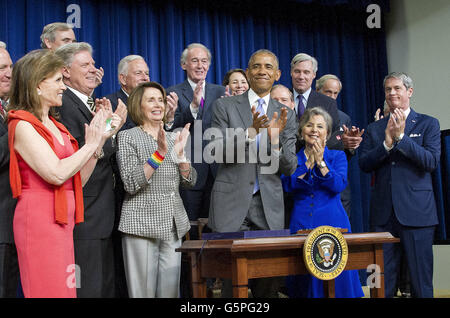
91	104
260	110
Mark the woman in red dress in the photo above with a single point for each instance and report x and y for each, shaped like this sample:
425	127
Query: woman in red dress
47	172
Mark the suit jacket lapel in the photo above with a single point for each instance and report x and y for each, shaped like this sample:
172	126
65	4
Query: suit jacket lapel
79	104
411	121
244	109
188	93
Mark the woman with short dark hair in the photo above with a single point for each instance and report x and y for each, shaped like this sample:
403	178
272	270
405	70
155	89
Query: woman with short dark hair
320	177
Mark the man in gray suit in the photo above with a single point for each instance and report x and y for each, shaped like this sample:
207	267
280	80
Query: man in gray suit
247	192
235	192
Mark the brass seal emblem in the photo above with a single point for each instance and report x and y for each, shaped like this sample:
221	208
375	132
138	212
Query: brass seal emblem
325	252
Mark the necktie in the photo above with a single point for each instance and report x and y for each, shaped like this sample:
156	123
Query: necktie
260	110
202	102
300	106
91	104
2	110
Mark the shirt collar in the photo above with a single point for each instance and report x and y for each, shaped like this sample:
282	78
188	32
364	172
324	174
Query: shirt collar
125	92
305	95
253	99
80	95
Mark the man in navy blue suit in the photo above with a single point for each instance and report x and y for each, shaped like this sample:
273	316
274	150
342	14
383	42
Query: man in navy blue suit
303	72
195	98
132	71
403	149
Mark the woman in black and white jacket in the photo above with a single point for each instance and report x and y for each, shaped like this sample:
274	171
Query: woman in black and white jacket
153	220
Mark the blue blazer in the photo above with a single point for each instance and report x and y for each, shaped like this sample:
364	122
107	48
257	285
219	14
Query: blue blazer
403	175
316	198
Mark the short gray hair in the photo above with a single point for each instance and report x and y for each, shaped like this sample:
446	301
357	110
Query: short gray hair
67	51
300	57
321	81
2	45
407	81
192	46
123	64
50	29
310	112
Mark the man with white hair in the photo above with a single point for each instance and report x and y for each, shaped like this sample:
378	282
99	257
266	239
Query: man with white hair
132	71
195	99
303	72
348	137
92	238
9	268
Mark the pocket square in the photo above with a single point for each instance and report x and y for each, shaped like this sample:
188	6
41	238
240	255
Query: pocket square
414	135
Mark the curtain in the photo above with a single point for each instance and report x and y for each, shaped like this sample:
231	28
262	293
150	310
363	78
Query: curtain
335	32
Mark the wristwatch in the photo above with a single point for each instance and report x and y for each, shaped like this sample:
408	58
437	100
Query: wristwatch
322	164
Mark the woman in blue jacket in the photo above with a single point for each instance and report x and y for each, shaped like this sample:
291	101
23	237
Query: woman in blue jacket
315	186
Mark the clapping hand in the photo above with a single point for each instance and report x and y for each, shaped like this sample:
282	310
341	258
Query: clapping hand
258	123
162	142
172	105
395	127
198	94
180	141
276	125
94	131
351	138
99	73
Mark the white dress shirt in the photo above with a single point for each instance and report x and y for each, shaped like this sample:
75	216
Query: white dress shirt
81	96
305	97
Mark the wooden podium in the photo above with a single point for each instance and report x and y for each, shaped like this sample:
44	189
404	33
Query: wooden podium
244	259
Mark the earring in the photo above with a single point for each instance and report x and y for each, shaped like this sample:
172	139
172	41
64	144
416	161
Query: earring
39	92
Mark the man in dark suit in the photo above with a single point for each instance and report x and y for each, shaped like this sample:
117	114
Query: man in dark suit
347	138
92	238
303	72
403	149
9	268
195	98
132	71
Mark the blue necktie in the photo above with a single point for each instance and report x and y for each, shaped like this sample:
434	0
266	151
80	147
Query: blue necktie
260	110
300	106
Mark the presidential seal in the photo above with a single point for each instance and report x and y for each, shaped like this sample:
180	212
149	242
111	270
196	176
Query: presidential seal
325	252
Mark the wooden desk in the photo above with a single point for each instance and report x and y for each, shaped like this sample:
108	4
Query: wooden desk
244	259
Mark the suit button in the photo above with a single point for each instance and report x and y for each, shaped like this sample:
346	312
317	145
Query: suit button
311	205
312	196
